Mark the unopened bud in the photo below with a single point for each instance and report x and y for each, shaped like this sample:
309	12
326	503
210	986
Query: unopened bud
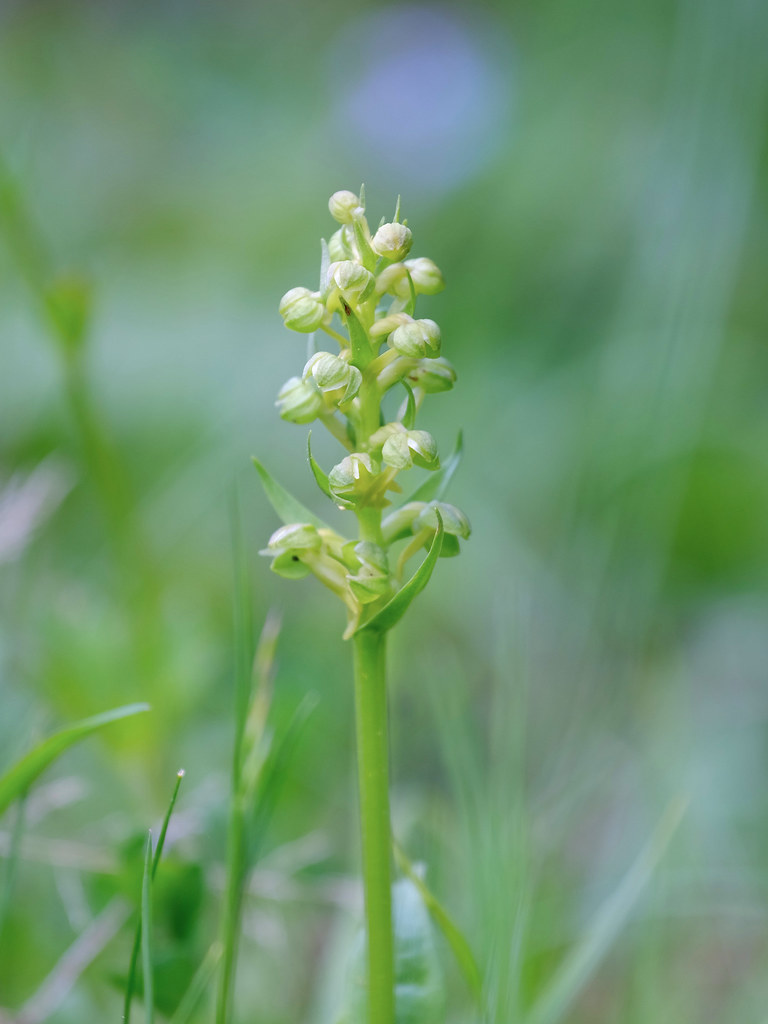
454	520
299	401
416	339
381	328
432	375
400	522
426	276
353	479
392	241
406	448
302	310
393	279
344	206
333	376
337	246
353	281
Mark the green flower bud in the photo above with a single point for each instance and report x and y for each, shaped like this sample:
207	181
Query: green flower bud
378	437
394	280
372	578
289	545
299	401
406	448
335	377
417	339
344	206
354	479
432	375
302	310
426	277
337	246
381	328
399	523
353	281
454	520
392	241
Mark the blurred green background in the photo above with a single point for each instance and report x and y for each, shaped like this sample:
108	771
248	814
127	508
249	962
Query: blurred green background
593	181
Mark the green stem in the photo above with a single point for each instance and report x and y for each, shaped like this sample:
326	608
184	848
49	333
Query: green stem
373	777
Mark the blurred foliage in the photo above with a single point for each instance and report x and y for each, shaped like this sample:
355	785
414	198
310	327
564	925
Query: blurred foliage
592	181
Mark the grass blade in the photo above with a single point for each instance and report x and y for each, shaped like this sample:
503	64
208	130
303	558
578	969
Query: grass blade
21	775
130	985
146	938
198	986
394	610
454	937
580	965
288	508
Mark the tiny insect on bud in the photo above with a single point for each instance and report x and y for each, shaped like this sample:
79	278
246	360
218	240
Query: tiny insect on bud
392	241
345	206
299	401
302	310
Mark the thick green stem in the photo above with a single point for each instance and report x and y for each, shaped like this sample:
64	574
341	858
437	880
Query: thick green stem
373	777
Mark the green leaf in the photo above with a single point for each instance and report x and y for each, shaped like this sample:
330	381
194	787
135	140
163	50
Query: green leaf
368	256
288	508
17	780
581	963
455	939
419	986
435	486
320	477
394	610
409	416
273	773
361	346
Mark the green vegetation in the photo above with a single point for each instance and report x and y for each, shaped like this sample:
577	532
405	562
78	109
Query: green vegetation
592	186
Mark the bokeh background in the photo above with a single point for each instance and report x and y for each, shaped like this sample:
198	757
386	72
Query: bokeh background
592	180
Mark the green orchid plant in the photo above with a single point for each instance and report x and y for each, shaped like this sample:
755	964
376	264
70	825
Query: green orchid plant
366	304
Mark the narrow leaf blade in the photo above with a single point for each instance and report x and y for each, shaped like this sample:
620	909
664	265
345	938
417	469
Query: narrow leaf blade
21	775
288	508
394	610
146	935
435	486
409	414
454	937
321	478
